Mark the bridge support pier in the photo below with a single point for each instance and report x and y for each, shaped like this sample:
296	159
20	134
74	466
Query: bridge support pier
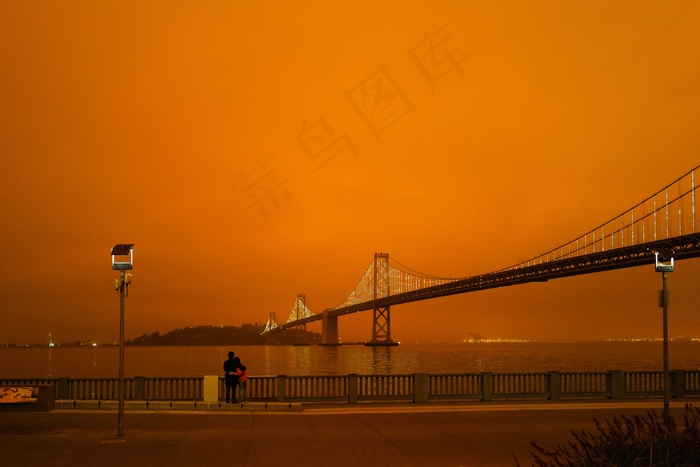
329	330
381	328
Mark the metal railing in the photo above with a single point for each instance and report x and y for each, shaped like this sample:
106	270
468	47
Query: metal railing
589	384
403	387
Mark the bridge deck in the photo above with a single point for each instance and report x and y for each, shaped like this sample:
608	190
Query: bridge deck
684	247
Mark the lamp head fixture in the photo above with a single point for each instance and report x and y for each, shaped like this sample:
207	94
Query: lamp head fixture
664	260
123	249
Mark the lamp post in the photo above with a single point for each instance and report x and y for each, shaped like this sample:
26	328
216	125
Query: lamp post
664	265
121	285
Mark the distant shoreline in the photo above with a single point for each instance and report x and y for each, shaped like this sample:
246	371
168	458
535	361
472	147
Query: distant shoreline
466	342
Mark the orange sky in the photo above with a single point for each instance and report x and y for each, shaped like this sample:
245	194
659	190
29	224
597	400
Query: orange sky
240	146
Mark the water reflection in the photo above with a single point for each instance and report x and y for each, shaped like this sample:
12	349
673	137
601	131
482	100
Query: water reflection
480	362
303	359
222	359
268	360
365	360
50	365
328	363
381	359
102	362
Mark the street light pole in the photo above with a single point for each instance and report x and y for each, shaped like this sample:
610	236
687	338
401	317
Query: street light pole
664	265
120	407
121	285
667	376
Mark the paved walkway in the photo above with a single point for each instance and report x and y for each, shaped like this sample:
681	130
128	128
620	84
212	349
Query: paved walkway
476	434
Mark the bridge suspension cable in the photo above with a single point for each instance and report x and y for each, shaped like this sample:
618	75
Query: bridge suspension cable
668	216
271	324
670	212
300	310
392	278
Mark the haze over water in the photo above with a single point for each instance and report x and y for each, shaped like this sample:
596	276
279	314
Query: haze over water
497	357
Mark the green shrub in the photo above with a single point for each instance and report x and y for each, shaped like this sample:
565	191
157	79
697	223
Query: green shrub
630	441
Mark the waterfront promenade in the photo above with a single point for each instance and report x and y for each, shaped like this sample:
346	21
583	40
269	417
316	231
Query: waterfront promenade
397	434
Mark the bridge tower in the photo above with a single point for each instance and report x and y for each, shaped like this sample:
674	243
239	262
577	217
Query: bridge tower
381	321
300	306
270	322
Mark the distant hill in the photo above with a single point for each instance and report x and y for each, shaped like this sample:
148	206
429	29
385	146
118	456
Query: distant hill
247	334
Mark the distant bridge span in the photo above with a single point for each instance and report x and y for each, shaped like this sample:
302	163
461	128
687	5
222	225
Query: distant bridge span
656	224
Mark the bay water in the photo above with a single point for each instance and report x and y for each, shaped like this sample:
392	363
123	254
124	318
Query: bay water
495	357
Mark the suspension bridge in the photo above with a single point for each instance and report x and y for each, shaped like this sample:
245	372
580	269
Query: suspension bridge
663	224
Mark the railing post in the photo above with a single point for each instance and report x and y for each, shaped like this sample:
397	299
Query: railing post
46	396
210	391
678	378
63	388
616	383
353	388
487	386
420	388
281	388
554	385
139	388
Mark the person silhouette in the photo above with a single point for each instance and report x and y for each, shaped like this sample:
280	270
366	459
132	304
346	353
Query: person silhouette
242	380
232	371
